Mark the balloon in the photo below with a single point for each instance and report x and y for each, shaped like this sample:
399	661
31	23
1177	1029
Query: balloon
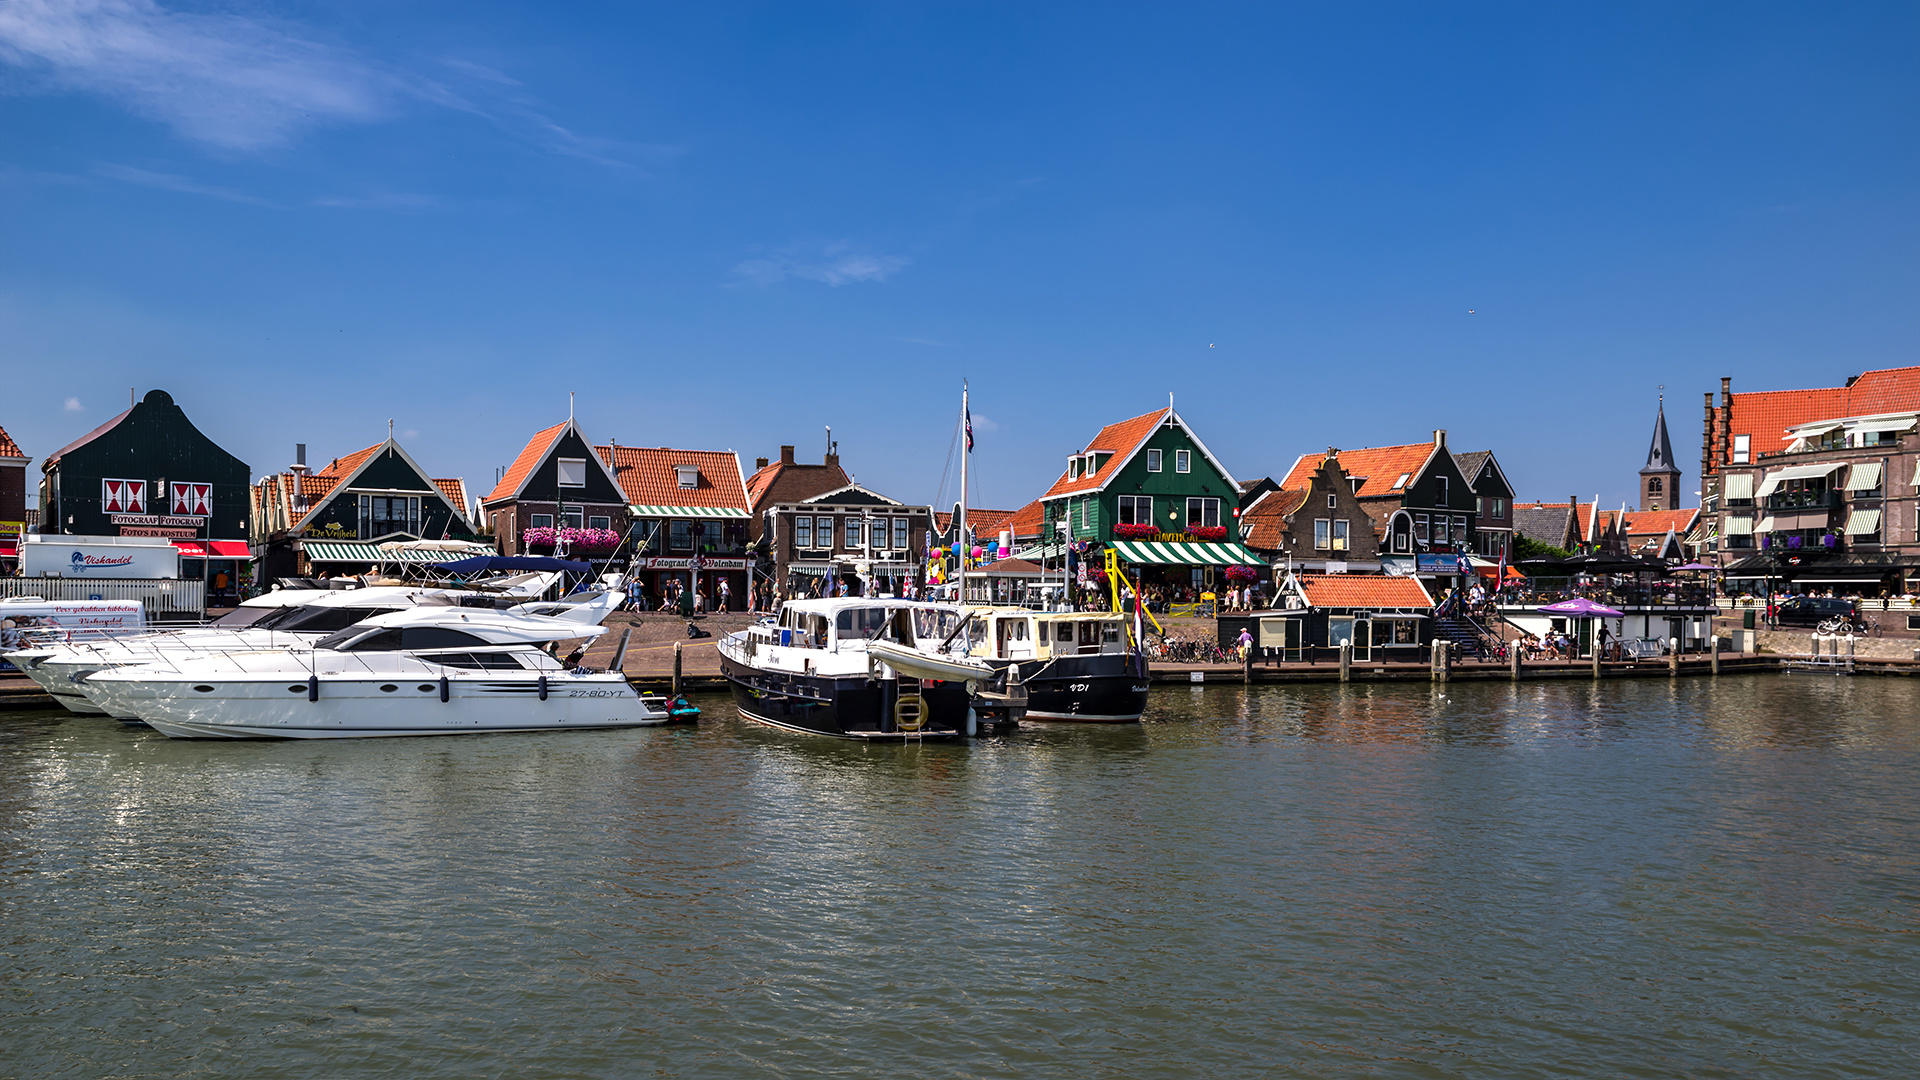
977	552
957	549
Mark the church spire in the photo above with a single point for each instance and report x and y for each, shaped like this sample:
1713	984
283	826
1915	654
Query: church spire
1660	453
1660	479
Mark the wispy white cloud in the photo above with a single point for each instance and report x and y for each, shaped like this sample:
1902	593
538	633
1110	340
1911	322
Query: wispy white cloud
836	264
171	182
221	79
983	423
73	405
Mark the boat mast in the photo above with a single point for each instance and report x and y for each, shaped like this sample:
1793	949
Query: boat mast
960	521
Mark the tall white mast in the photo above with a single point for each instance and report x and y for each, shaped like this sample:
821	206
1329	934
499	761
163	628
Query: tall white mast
966	451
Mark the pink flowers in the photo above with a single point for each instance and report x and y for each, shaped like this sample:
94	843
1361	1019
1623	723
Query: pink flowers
1242	573
573	539
1136	532
1207	532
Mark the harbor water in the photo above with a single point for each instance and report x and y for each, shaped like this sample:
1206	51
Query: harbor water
1695	878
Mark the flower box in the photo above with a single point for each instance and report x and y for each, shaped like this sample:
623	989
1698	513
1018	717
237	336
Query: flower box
1207	532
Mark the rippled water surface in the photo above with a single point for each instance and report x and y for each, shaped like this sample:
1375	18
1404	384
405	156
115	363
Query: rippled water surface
1555	879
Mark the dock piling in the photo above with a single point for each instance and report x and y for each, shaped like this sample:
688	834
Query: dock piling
1596	659
1673	656
1513	661
1715	651
1346	661
676	669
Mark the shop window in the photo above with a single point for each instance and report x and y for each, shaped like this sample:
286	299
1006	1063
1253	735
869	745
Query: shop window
573	472
1153	461
803	532
384	515
1182	461
900	533
599	521
680	535
1136	510
1202	512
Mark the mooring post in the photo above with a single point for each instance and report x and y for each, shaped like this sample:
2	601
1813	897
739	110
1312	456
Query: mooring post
1346	661
1673	656
1433	660
1446	660
1513	661
676	669
1246	664
1849	653
1596	658
1715	653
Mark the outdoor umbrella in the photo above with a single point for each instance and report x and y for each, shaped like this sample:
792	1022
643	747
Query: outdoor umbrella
1605	564
1579	606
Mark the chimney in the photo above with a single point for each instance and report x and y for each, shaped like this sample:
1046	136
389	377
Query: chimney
1706	438
833	461
299	458
786	455
759	463
1851	379
1725	454
1440	438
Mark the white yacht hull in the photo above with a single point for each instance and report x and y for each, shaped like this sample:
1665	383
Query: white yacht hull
362	706
52	678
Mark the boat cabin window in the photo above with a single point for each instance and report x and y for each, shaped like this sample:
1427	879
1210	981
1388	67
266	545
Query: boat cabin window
1110	632
1089	633
321	620
1063	631
357	639
247	616
855	624
485	661
934	624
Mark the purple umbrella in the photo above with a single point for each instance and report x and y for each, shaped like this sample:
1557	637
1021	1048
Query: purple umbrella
1579	605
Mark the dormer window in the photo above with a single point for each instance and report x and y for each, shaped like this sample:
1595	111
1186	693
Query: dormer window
1073	467
1093	464
688	475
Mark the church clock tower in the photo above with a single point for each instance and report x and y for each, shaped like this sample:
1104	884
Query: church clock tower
1660	480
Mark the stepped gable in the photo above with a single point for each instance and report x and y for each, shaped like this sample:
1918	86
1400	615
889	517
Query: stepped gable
1380	466
1765	415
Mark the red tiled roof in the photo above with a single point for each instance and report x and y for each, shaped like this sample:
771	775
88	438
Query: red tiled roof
1381	466
1657	522
456	493
788	481
1009	566
1119	439
1765	415
1028	521
529	459
1363	591
315	488
9	448
648	478
1264	523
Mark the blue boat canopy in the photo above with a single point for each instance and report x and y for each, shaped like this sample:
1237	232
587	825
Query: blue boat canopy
480	564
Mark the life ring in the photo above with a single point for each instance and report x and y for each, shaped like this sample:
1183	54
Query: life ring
909	712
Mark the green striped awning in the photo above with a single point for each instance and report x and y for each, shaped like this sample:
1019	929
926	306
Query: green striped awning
341	551
1041	551
1181	553
687	511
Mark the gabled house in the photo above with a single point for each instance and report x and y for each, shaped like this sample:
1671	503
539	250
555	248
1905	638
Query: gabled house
557	482
1322	527
150	472
1149	489
842	540
1556	525
1492	503
690	520
785	482
1648	533
1421	504
335	519
13	500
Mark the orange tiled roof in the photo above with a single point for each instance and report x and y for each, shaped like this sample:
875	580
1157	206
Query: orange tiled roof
1264	523
1380	465
648	478
9	448
529	459
1657	522
1765	415
1028	520
456	493
342	467
984	523
1119	439
315	488
1363	591
792	481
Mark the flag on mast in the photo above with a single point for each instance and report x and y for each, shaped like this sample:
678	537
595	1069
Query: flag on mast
967	412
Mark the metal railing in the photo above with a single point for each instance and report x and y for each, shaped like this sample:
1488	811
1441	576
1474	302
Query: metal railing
165	599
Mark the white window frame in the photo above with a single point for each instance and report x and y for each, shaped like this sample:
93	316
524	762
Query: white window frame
539	521
600	521
854	529
562	466
687	476
1153	461
1131	506
1440	491
1742	449
1205	504
803	532
900	533
1341	532
1322	534
1183	461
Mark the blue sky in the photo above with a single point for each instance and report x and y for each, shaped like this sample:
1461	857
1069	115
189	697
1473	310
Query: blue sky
727	226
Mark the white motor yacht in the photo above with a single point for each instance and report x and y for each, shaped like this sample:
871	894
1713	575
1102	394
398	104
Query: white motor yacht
426	671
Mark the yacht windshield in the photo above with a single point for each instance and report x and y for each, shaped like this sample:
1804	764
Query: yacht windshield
322	620
373	639
239	618
854	624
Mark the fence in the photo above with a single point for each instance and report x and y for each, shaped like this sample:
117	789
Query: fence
165	599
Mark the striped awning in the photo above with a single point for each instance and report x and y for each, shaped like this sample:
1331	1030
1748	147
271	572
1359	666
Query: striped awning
1182	553
1738	486
1864	476
1041	551
1863	522
342	551
687	511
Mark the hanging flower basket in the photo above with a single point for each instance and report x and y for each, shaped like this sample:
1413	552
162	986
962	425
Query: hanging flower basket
1136	532
589	540
1208	532
538	536
1242	573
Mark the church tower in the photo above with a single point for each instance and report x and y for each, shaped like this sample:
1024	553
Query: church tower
1660	480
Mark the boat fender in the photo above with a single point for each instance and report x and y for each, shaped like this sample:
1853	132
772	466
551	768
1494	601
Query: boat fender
313	688
446	692
543	688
